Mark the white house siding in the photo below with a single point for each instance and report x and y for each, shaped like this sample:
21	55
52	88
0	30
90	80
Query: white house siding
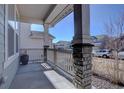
9	72
26	41
8	65
32	42
1	40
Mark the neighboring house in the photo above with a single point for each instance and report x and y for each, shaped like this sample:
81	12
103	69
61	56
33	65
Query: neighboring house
100	41
119	43
63	45
97	45
97	41
35	39
122	42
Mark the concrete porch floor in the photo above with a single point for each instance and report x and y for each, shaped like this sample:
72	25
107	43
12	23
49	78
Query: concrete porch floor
39	76
31	76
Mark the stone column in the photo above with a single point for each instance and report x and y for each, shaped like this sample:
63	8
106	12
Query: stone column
82	47
46	45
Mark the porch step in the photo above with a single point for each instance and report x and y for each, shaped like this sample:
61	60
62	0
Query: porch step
32	62
58	81
46	66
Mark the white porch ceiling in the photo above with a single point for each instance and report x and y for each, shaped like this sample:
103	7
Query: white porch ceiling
43	13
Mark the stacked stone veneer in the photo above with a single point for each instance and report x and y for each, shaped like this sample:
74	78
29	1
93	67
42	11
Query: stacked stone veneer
82	66
45	53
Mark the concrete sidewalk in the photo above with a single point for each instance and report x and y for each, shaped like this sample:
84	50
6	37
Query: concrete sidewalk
58	80
31	76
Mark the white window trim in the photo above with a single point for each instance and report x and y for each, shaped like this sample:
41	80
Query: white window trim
17	32
9	60
16	11
6	33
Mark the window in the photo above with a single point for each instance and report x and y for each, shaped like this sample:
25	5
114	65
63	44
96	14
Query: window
11	16
17	23
37	27
11	28
17	46
17	28
10	41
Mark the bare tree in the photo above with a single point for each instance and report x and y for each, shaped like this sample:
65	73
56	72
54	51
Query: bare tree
115	31
105	42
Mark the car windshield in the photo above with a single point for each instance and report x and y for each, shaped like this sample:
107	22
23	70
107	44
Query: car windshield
121	50
104	50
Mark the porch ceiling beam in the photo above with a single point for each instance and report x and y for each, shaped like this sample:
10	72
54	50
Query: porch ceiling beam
58	13
44	14
31	20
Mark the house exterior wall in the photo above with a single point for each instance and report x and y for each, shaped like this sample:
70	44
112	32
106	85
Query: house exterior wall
2	33
27	42
10	71
9	64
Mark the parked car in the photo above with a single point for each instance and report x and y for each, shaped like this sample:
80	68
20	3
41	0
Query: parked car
102	53
121	54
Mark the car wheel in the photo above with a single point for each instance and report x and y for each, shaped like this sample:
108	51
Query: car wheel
93	55
104	56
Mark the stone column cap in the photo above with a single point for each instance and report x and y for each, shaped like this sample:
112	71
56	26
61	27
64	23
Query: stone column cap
82	44
46	46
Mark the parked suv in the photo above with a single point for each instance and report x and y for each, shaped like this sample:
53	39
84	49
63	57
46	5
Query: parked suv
121	54
102	53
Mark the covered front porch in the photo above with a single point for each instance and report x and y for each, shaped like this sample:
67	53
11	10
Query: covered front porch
78	68
48	67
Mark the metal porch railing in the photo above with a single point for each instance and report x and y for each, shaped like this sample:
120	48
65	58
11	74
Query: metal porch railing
35	54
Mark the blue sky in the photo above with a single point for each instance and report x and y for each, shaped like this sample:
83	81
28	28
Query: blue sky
36	27
64	30
99	14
